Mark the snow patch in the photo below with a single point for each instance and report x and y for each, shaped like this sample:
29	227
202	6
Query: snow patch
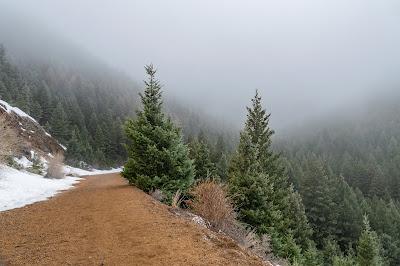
69	170
23	161
19	188
8	108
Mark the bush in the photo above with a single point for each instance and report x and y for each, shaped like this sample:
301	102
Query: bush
55	167
210	201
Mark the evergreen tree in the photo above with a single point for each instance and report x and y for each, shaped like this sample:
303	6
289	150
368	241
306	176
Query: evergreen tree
257	177
317	197
221	167
368	249
311	257
157	156
200	153
24	99
3	90
44	98
36	111
59	124
72	153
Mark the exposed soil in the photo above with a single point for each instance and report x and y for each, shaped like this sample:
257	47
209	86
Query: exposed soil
104	221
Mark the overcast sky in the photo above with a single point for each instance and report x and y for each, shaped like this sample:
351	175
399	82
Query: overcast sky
305	57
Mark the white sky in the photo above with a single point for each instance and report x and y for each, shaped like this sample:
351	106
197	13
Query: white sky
305	56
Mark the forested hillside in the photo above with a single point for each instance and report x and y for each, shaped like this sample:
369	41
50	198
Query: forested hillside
84	106
347	168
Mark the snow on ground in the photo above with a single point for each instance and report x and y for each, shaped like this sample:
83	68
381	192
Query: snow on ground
23	161
20	188
80	172
8	108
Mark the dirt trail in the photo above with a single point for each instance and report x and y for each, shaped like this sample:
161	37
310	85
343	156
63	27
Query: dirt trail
103	221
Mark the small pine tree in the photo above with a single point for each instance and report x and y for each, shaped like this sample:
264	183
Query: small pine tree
369	249
157	157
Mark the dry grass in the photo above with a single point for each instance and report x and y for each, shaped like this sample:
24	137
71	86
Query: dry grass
177	200
55	167
8	139
257	245
211	202
157	194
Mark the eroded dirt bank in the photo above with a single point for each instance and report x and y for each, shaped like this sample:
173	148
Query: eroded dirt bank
103	221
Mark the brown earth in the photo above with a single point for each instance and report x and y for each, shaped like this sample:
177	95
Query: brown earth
104	221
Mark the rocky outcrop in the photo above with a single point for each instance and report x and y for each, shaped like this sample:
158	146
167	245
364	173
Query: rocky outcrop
31	134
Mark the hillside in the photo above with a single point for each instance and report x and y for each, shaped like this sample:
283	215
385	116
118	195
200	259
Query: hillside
104	221
84	104
351	161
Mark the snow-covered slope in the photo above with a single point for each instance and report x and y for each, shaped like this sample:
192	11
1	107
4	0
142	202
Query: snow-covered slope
30	133
19	188
8	108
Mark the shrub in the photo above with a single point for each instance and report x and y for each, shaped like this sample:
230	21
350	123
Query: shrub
210	201
55	167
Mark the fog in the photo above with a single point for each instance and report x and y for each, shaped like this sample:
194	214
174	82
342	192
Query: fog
307	58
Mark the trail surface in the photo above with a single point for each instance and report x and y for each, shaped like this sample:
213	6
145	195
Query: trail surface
104	221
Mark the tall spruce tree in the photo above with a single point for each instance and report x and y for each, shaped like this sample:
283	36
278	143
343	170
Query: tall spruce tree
256	175
158	159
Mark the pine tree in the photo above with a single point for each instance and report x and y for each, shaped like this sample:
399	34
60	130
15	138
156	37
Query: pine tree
349	214
59	124
200	153
317	198
221	167
36	111
157	157
368	249
311	257
44	99
24	99
2	90
256	175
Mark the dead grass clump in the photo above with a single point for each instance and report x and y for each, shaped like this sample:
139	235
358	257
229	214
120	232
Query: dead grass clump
157	194
177	200
8	139
55	167
211	202
257	245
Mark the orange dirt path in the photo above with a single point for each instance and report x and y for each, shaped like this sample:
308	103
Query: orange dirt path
104	221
